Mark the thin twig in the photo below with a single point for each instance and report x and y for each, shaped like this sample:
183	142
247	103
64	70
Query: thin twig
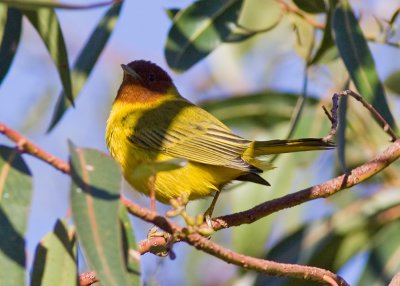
326	189
195	239
320	26
293	9
375	114
26	146
87	278
204	244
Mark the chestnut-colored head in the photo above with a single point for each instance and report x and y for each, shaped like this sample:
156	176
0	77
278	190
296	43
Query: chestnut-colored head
144	81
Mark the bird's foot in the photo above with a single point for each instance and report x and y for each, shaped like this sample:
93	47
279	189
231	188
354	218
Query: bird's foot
193	224
165	249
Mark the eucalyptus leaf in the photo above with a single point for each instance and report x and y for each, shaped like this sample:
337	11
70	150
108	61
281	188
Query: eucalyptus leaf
380	267
392	82
171	13
326	51
358	59
87	60
311	6
199	29
260	109
15	200
132	256
55	259
46	23
95	209
10	35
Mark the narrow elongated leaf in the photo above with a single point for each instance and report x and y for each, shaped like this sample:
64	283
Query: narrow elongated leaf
392	82
86	60
358	59
9	36
198	29
288	250
171	13
383	259
326	50
265	108
15	200
341	135
55	259
132	256
95	206
46	23
311	6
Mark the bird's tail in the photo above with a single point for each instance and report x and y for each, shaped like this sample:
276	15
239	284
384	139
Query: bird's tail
260	148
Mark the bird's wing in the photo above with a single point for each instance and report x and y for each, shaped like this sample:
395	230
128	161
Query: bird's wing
203	141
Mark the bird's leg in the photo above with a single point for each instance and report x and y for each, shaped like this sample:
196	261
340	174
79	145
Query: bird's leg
193	224
209	211
153	192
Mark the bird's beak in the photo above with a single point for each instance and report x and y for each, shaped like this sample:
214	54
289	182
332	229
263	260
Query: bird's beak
130	71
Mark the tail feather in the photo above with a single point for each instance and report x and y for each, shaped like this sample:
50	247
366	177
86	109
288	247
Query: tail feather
252	177
287	146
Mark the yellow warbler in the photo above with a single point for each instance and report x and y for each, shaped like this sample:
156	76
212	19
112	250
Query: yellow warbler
151	122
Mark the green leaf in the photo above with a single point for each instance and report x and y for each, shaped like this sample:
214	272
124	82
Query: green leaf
287	250
326	51
341	135
392	82
198	29
149	169
10	33
95	206
132	256
311	6
171	13
382	261
46	23
394	17
358	59
55	259
305	36
15	200
87	59
263	109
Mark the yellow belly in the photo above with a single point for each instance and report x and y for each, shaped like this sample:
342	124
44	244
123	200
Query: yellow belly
194	180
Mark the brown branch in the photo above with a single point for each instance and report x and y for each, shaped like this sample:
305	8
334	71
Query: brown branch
26	146
375	114
204	244
326	189
293	9
320	26
396	280
87	278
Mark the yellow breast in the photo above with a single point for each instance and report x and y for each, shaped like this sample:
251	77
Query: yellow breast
196	180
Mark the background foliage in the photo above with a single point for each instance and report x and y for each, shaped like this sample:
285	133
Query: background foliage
263	67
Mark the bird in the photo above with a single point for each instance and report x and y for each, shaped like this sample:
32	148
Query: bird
150	122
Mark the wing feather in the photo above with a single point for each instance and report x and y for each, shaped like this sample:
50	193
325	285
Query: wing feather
205	141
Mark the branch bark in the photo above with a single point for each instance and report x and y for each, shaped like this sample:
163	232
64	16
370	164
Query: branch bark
355	176
204	244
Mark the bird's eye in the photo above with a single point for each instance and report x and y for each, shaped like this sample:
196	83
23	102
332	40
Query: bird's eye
151	77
